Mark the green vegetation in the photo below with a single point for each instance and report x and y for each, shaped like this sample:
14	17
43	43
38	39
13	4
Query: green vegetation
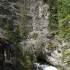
64	17
24	21
35	35
53	17
59	25
59	19
15	34
51	46
27	61
65	57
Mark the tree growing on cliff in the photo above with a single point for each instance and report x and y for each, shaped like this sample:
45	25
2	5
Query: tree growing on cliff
59	24
15	34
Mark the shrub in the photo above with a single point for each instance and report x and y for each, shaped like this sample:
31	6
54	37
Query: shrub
35	35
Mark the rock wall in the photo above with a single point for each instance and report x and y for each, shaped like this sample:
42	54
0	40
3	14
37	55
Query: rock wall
39	14
39	36
38	10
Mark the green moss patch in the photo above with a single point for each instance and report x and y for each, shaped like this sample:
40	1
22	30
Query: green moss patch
35	35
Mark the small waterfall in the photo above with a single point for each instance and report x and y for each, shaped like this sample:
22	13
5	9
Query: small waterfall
42	64
45	67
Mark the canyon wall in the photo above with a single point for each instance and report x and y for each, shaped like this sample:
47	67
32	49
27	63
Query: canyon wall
37	26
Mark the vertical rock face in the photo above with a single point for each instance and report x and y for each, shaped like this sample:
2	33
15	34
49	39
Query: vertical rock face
37	25
38	12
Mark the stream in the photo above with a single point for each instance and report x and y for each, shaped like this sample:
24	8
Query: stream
45	67
42	64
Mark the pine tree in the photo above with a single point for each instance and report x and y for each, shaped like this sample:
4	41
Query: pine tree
62	12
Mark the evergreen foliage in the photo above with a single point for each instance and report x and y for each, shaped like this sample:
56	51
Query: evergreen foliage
24	20
15	34
64	17
59	23
59	18
53	17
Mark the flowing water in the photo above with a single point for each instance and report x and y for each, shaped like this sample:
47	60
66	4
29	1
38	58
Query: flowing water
45	67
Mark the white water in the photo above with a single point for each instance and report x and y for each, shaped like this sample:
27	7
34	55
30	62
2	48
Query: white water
46	67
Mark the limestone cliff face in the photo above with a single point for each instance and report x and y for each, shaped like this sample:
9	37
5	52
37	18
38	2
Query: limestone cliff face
39	13
39	36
